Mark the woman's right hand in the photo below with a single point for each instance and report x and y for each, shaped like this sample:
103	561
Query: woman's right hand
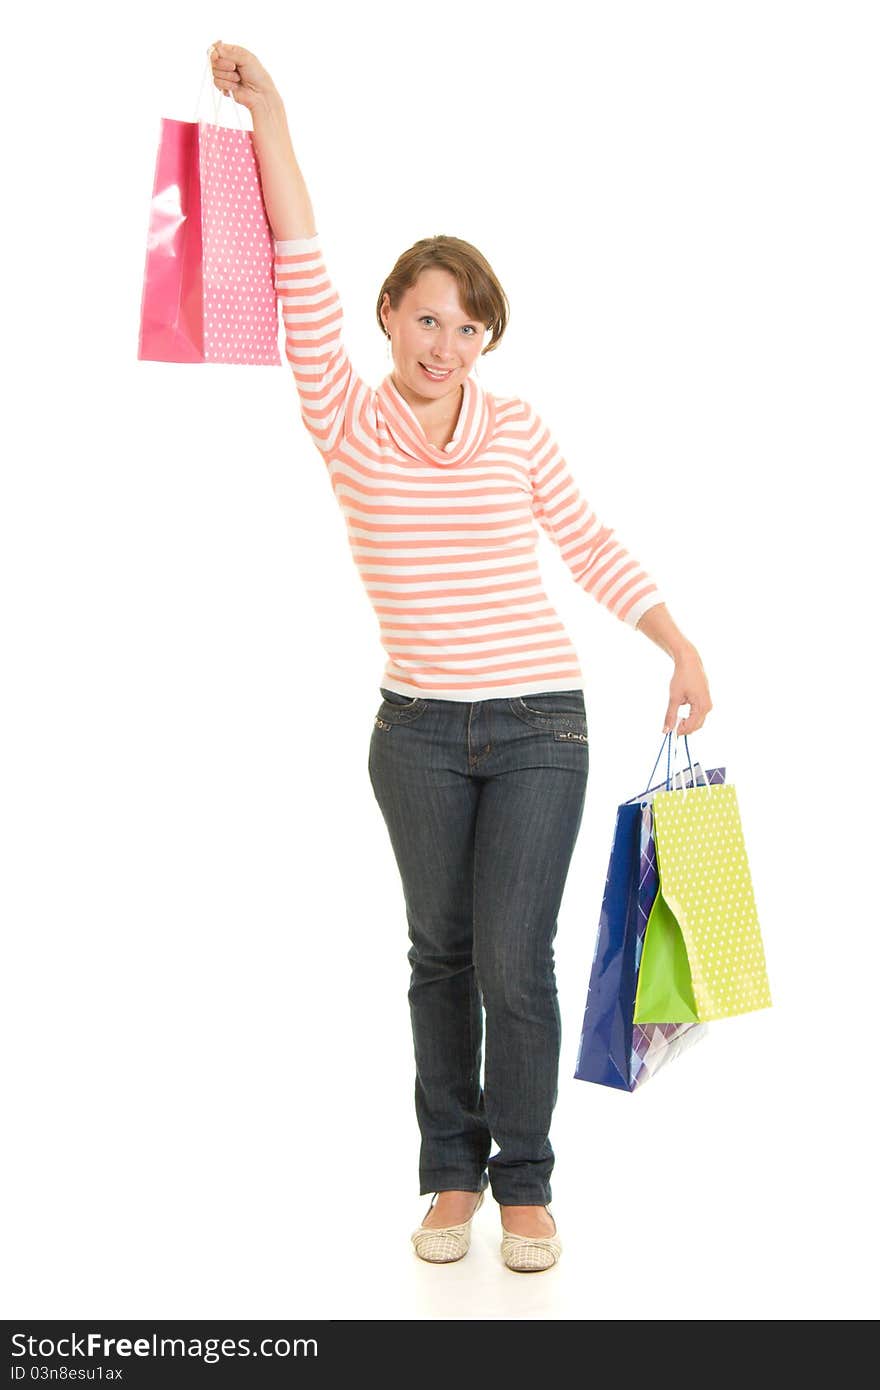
239	73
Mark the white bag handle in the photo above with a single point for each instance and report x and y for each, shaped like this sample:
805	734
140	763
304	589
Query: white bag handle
683	788
218	97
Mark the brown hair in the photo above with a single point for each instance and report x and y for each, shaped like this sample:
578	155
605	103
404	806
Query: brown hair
478	287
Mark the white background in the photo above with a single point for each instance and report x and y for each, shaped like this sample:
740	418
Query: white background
207	1054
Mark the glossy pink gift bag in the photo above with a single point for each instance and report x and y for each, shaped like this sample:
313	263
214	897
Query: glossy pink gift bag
209	292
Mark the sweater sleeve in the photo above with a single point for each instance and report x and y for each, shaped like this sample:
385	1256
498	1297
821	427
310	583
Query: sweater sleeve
312	315
598	562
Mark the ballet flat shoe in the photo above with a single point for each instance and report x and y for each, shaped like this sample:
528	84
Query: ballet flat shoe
529	1253
443	1244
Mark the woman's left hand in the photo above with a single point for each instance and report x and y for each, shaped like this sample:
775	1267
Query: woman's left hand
688	686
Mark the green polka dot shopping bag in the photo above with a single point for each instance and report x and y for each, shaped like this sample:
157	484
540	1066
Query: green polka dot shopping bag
703	956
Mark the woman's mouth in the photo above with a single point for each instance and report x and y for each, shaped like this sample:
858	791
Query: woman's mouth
434	375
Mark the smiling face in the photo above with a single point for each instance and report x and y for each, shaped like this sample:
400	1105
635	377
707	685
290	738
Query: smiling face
430	329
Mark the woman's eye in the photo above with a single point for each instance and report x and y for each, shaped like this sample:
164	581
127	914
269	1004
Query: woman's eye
427	318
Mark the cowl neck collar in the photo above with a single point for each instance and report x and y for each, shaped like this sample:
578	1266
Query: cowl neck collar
476	419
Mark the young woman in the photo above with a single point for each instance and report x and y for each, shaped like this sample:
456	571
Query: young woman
479	751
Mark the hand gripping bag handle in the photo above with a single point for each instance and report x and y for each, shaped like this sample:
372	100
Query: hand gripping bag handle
217	97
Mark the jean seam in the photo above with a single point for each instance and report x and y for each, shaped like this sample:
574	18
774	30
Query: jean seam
476	980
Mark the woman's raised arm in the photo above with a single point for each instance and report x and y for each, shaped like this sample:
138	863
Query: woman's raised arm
313	322
288	205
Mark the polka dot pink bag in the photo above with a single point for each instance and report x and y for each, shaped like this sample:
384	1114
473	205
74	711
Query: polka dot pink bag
209	292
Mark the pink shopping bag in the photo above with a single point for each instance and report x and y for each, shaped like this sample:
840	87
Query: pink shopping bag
209	292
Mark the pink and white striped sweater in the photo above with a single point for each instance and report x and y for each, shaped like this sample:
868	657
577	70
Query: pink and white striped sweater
444	539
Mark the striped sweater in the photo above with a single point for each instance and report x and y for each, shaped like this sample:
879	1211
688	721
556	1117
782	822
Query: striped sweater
445	539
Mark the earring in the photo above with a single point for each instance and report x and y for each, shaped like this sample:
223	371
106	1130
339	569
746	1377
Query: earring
388	347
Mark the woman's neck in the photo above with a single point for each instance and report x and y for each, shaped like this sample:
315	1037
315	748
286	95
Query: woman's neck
434	413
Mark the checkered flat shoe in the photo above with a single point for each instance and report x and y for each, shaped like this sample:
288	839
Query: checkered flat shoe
526	1253
443	1244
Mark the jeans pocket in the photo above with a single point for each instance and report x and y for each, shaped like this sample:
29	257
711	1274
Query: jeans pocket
561	712
552	702
398	709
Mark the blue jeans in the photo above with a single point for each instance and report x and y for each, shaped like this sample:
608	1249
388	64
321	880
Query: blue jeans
483	804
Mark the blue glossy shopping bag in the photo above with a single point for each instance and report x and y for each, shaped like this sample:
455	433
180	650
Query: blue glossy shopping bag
606	1036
